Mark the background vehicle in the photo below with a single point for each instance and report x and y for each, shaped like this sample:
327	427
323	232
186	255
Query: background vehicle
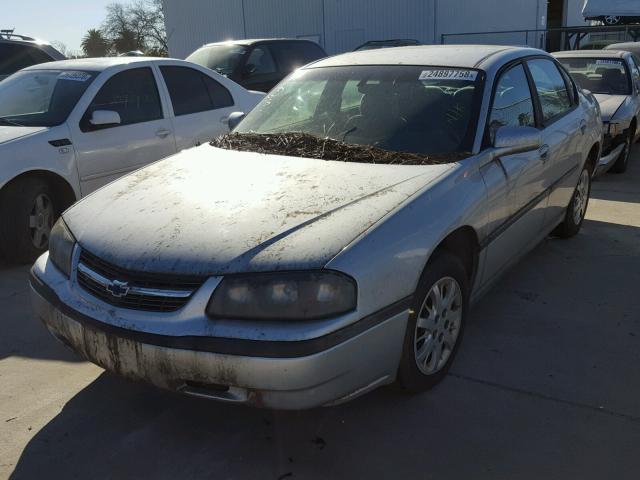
633	47
612	12
347	274
18	52
257	64
374	44
614	78
67	128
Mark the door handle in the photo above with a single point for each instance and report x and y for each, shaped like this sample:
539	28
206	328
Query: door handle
583	127
544	153
162	133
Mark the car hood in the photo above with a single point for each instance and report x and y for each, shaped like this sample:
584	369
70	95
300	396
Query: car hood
9	133
209	211
609	104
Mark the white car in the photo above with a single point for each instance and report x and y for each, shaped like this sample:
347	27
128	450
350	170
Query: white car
69	127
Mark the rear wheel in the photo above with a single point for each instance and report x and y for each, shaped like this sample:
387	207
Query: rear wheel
28	210
623	160
577	208
435	328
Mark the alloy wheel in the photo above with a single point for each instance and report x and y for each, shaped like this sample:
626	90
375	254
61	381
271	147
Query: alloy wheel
438	325
612	20
581	198
41	221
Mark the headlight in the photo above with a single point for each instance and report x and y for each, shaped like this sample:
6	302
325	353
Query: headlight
614	129
61	244
286	296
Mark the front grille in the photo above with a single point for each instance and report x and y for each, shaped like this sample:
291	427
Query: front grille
145	291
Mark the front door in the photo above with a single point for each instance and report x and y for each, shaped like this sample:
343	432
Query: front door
143	135
515	183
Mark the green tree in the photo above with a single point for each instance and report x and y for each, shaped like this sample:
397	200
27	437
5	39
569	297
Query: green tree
94	44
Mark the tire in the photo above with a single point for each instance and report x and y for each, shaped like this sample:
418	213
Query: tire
623	160
446	324
611	20
577	209
28	210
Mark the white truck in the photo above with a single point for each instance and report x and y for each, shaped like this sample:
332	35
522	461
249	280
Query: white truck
612	12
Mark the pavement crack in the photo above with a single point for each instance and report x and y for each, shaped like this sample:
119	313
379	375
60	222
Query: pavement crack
542	396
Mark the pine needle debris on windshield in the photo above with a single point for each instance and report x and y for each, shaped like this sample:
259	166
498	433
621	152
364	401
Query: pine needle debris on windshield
309	146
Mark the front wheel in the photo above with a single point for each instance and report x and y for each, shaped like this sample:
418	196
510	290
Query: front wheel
28	210
577	208
623	160
435	327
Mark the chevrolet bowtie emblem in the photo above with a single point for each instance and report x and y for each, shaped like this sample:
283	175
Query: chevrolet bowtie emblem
118	289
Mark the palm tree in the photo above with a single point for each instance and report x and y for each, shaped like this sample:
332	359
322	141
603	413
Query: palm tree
94	44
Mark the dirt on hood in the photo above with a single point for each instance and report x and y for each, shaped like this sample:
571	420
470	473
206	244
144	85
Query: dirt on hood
310	146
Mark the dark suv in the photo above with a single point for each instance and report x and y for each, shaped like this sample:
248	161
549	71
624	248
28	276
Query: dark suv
257	64
18	52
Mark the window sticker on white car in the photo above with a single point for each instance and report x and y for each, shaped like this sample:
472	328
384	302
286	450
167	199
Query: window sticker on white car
608	62
448	74
75	76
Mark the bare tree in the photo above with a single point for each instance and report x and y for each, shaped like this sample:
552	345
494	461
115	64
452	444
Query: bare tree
139	26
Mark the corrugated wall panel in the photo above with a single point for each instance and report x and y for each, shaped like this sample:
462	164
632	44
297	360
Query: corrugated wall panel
351	22
192	23
462	16
283	18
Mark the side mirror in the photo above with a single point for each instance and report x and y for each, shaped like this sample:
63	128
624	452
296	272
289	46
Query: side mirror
511	140
234	119
104	117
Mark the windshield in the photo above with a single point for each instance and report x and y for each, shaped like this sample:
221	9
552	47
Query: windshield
223	59
41	98
599	75
422	110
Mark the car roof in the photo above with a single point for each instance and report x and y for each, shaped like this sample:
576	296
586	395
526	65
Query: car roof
591	53
466	56
16	39
93	64
623	46
253	41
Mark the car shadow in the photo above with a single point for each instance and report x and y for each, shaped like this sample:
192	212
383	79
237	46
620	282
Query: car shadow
21	332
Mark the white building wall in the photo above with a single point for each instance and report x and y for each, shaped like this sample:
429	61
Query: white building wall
342	25
574	13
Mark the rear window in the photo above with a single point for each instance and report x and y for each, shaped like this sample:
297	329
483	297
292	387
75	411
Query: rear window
599	75
14	57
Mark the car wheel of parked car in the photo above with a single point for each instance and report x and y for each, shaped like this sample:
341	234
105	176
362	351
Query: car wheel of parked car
436	325
612	20
623	160
577	208
27	214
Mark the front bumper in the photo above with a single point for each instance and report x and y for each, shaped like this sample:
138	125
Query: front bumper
356	364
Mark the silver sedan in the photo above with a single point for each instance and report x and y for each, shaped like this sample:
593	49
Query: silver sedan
335	241
613	77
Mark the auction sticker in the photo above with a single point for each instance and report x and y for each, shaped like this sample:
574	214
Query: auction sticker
75	76
448	74
608	62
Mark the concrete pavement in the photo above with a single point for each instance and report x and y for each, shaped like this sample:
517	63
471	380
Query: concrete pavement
546	385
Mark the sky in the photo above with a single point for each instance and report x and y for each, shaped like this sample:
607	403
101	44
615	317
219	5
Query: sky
66	21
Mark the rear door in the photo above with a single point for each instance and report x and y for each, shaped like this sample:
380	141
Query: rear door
515	183
292	55
143	135
201	105
563	130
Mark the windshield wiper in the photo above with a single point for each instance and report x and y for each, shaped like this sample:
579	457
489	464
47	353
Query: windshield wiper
6	121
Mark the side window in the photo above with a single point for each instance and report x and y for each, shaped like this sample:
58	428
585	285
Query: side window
132	93
512	104
571	86
552	91
260	62
192	91
292	55
351	96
